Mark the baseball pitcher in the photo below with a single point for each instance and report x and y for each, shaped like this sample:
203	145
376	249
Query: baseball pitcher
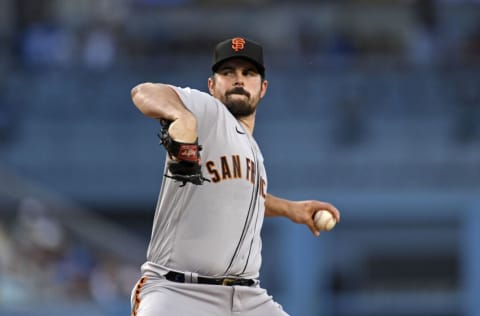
204	254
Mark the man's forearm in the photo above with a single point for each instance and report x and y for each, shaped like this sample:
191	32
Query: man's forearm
161	102
275	206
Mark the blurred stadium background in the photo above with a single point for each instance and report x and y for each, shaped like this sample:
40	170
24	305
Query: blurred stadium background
373	105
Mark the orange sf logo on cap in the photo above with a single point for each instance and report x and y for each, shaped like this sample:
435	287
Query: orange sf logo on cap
238	43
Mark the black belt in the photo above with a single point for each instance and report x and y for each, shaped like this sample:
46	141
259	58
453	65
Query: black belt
180	278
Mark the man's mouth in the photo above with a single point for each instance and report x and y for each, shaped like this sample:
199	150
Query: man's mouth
239	91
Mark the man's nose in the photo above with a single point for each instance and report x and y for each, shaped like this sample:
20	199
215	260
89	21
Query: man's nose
238	79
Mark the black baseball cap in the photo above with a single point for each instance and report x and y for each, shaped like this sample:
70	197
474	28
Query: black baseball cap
239	47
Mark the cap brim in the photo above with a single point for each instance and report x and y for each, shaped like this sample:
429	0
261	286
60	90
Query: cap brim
260	68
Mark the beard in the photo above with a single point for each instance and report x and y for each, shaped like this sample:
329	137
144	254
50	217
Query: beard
239	107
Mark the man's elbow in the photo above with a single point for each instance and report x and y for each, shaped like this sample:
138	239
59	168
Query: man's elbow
138	88
139	98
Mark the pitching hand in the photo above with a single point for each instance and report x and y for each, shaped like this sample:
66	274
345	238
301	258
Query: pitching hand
302	213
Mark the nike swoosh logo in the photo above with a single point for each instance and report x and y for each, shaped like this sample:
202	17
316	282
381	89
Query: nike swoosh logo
240	132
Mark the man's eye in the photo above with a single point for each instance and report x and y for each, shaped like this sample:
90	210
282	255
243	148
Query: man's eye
250	72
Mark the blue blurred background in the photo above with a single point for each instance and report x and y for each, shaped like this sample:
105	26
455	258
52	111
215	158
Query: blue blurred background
373	105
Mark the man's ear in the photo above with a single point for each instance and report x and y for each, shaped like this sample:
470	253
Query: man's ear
211	84
264	88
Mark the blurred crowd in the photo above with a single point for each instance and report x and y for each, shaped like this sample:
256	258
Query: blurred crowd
45	35
42	262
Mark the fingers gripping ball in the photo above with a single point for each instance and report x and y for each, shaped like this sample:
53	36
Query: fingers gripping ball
185	159
324	220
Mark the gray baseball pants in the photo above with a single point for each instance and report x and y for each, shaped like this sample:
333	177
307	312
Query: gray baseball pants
156	296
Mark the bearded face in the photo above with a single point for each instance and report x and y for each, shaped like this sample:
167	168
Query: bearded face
239	86
239	102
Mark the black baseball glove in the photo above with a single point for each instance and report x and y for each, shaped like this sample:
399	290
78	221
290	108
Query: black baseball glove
184	165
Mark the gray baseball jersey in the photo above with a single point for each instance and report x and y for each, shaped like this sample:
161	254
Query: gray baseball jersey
212	229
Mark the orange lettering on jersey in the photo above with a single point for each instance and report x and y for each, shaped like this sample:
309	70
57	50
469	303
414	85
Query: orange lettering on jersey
249	168
225	168
252	175
237	169
263	193
213	172
232	169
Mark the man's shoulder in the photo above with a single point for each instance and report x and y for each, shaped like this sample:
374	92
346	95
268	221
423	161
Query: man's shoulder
192	92
202	102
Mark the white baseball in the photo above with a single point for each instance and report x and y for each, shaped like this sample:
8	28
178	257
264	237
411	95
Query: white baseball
324	220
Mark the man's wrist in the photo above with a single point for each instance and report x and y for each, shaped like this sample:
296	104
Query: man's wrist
184	129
